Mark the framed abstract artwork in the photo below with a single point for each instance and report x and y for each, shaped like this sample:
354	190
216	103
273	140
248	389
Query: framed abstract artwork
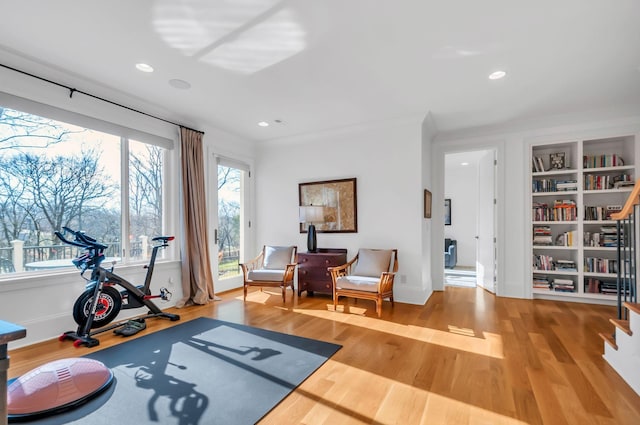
338	199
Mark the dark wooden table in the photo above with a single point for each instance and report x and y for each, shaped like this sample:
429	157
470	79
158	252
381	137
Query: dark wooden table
312	269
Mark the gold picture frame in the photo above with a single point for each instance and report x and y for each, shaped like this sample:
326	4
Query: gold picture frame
339	199
427	204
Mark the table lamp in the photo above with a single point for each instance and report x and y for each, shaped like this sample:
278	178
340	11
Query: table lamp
311	214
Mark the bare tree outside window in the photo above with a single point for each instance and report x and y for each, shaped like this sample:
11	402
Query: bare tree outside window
228	221
54	174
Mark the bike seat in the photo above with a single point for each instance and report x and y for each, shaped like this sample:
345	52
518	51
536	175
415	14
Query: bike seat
164	239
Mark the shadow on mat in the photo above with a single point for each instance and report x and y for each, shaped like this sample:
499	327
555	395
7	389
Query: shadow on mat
207	347
185	403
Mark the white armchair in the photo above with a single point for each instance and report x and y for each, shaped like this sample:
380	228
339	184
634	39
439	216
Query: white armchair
369	275
273	267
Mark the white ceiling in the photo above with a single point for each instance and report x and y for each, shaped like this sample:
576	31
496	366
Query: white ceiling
325	64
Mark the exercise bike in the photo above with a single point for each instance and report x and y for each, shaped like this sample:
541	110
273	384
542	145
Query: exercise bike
101	302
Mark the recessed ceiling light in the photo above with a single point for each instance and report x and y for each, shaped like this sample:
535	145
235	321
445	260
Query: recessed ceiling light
464	163
144	67
179	84
263	124
497	75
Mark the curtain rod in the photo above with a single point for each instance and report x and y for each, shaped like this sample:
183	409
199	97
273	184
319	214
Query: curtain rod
74	90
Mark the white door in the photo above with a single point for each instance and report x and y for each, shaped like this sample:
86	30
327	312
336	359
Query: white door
485	245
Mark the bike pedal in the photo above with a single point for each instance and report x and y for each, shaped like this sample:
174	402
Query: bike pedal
165	294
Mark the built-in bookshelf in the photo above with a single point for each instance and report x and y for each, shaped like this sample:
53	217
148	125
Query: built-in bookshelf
575	187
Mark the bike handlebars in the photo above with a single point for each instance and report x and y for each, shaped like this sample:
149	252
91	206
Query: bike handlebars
80	240
84	241
95	256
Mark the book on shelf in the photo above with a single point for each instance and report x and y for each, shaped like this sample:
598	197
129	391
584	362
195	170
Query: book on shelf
562	210
600	265
566	238
538	165
610	237
622	184
566	185
563	285
611	288
605	182
565	265
592	239
600	213
541	283
553	185
543	262
600	161
542	235
592	285
612	209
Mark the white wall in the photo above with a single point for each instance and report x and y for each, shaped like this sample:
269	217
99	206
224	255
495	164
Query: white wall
461	186
428	134
386	159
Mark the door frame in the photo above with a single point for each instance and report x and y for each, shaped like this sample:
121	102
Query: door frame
487	243
440	148
246	217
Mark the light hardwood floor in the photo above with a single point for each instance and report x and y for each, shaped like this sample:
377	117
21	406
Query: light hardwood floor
466	357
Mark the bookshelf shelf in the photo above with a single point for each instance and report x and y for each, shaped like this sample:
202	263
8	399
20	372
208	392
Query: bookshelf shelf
555	272
600	248
588	170
601	275
554	247
563	172
595	178
594	192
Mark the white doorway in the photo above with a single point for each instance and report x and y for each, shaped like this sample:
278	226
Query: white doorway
470	219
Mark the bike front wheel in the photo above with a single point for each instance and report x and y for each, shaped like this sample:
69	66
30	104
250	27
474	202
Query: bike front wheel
109	305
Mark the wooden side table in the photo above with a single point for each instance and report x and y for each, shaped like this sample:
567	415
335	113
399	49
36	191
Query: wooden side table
312	269
8	332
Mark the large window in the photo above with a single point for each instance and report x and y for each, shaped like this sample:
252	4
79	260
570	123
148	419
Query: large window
55	174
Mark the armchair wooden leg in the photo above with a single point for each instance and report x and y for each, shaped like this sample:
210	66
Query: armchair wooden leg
379	307
335	302
284	292
245	292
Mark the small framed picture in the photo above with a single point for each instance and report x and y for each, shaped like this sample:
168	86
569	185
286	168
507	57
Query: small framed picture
427	204
557	160
447	212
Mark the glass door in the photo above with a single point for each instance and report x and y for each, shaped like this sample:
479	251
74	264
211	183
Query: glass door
230	233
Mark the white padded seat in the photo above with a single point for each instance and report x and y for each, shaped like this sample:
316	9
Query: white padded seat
266	274
358	283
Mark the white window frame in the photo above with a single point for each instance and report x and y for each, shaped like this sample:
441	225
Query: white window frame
171	175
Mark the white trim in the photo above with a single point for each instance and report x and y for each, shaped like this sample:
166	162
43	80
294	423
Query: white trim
58	114
440	149
232	163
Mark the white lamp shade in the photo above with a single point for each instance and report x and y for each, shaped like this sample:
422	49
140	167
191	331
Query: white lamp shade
311	214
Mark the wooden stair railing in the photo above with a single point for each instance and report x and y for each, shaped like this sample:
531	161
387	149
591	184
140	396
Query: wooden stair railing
627	229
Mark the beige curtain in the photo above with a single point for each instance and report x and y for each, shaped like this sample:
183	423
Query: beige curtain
197	280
